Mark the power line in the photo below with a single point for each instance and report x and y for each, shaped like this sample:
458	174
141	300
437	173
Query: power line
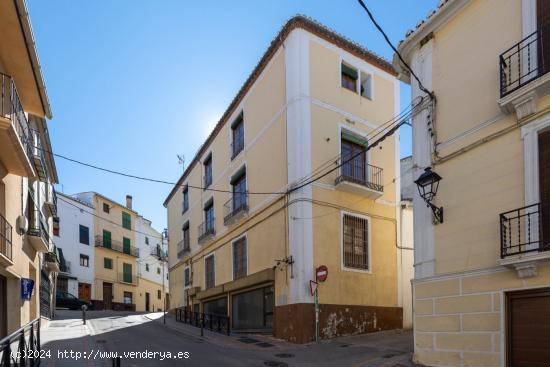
420	85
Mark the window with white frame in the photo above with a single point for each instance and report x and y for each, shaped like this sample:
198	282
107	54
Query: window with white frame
366	85
355	242
349	76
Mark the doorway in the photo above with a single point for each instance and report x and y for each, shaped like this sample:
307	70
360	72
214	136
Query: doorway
147	301
108	295
84	291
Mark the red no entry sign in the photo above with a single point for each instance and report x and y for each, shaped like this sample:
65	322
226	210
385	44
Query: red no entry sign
321	273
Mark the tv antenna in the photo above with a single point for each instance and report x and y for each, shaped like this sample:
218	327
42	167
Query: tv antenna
181	161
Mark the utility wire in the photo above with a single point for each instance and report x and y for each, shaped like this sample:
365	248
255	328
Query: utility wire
420	85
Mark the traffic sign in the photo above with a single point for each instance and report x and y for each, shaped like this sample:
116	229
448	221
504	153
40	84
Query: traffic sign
313	286
321	273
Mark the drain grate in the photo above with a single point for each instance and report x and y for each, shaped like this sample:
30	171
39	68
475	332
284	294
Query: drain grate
264	345
344	345
275	364
284	355
57	324
247	340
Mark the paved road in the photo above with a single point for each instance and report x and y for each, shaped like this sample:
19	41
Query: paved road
178	344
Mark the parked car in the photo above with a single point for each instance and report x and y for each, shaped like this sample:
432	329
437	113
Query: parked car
67	300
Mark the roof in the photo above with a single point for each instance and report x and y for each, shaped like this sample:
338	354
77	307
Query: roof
108	199
75	199
298	21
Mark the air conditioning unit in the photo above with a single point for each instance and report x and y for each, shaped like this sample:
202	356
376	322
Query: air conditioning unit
22	224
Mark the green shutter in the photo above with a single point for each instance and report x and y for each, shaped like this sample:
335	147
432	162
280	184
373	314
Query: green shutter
238	175
107	263
354	138
349	71
106	239
127	273
126	220
126	245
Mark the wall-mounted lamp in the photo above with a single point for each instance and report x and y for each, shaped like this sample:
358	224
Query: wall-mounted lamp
428	183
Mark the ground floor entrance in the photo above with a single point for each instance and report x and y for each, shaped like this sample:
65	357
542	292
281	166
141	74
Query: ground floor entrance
85	291
528	328
253	310
108	295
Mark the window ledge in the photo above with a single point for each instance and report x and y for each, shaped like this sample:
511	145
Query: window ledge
526	264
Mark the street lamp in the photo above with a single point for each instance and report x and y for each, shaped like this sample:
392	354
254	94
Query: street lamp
428	183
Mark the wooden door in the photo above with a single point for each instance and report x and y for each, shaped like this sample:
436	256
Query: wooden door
528	328
147	300
84	291
108	295
544	186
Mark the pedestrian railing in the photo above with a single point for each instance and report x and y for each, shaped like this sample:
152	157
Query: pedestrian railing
212	322
22	347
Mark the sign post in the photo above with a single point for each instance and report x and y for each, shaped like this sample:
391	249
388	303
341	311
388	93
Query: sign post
321	274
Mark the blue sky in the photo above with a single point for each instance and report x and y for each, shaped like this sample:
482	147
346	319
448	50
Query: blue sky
134	83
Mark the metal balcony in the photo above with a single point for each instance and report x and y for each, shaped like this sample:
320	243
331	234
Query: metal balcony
38	233
361	179
51	199
5	240
158	252
524	62
523	230
65	267
206	230
39	156
184	247
235	208
15	135
116	246
51	262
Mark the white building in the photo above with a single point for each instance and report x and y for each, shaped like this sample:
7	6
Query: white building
152	250
74	240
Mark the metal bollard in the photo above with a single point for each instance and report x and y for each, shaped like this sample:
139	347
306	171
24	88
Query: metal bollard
116	362
202	325
84	308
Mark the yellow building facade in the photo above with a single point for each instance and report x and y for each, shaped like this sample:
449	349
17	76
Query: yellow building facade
481	287
245	239
27	174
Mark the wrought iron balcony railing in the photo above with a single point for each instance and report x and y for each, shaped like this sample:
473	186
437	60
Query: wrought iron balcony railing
183	247
524	62
363	174
12	109
236	206
158	252
39	156
206	229
22	347
51	199
524	230
65	266
38	227
237	146
5	238
116	246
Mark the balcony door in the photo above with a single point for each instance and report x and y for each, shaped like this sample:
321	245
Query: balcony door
544	186
543	24
354	161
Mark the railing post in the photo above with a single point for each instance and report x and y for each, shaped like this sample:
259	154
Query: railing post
228	325
31	345
202	324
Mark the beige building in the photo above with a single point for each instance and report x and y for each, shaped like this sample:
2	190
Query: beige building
27	175
119	283
239	246
482	278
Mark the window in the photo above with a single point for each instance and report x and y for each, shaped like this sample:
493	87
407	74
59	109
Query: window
126	246
84	234
107	263
208	171
355	242
127	273
239	258
209	272
238	183
159	294
366	85
187	277
349	77
146	267
209	215
186	236
158	270
146	240
354	157
237	131
106	207
106	239
126	220
128	298
185	199
84	260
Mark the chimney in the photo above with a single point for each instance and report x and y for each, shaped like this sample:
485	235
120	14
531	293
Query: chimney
129	201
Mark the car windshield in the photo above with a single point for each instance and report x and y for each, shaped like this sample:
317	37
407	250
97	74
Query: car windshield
68	295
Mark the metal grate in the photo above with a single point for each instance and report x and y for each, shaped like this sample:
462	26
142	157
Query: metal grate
522	230
239	258
356	250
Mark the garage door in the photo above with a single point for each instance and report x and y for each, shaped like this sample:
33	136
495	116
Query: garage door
528	328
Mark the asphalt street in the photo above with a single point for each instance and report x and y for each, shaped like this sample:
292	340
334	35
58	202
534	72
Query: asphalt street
143	340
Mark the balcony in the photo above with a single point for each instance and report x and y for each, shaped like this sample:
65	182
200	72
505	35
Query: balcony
51	199
524	73
158	252
117	246
525	235
15	136
184	247
5	242
207	230
38	234
65	266
128	278
235	208
51	262
361	179
39	156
